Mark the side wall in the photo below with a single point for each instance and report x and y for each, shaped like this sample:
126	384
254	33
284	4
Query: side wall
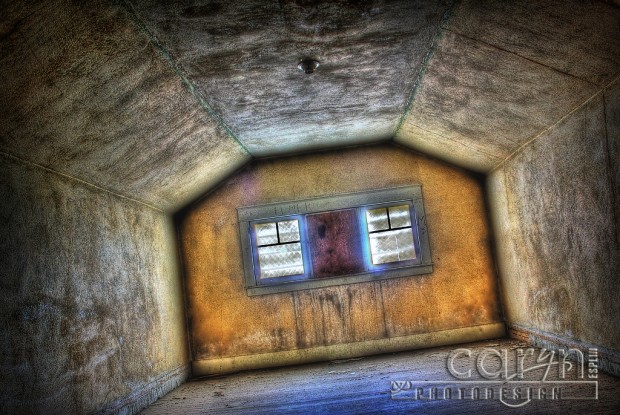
91	313
556	206
457	302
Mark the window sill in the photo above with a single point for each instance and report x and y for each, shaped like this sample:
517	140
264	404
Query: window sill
347	279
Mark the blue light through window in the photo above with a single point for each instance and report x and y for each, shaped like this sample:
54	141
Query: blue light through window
279	249
390	234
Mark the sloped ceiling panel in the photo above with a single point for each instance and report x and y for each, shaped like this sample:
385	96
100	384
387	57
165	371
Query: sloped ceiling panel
159	101
242	56
576	37
488	101
85	94
504	72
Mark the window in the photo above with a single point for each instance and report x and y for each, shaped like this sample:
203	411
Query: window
334	240
390	234
278	249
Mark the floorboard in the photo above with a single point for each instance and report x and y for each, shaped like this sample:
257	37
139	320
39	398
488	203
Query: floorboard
363	386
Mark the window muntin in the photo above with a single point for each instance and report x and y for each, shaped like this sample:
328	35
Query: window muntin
390	234
278	249
330	240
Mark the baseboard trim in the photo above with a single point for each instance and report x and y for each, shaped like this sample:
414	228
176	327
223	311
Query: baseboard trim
148	393
347	350
608	359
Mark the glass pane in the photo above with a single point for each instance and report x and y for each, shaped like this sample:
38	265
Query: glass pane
280	260
266	233
404	240
377	219
392	246
400	216
383	248
289	230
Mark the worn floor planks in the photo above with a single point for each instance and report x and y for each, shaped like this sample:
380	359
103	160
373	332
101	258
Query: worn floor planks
362	386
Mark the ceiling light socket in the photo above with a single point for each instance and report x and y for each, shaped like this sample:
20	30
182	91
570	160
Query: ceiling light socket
308	65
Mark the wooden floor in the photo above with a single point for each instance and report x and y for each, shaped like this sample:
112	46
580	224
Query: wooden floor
363	386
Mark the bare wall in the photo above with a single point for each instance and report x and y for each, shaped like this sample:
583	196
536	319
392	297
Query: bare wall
555	207
91	311
227	324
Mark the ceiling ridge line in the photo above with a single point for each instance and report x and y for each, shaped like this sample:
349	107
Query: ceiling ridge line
424	66
76	179
537	136
177	69
477	148
520	56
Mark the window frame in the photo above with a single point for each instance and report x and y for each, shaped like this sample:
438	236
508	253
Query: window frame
255	256
414	229
361	201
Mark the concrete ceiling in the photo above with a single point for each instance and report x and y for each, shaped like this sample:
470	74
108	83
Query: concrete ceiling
159	101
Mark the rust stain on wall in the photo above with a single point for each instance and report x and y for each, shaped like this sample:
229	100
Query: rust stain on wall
225	322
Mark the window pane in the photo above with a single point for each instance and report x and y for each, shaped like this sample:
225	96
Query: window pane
289	230
377	219
266	233
280	260
392	246
404	240
400	216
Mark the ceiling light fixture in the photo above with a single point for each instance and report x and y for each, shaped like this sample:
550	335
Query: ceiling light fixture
308	65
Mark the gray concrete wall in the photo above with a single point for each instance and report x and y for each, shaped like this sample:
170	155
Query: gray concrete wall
555	213
91	312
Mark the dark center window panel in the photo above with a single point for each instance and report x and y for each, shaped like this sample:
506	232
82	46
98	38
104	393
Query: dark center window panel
335	242
342	239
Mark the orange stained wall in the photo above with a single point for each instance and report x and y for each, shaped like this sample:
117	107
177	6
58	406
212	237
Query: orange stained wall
225	322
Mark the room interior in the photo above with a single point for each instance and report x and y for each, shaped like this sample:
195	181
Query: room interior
132	132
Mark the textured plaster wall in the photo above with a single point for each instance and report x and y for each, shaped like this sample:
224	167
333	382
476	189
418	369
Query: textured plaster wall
91	310
556	218
225	322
